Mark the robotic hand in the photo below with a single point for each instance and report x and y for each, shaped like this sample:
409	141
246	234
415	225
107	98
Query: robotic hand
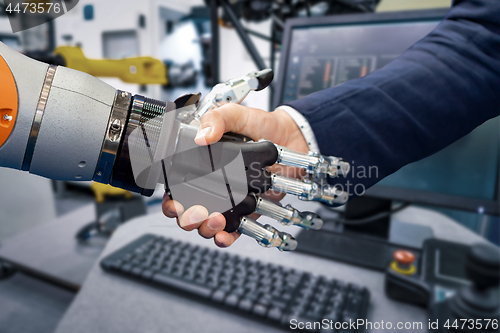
63	124
256	157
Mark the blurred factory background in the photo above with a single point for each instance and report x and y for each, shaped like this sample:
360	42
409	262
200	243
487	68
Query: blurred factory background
177	34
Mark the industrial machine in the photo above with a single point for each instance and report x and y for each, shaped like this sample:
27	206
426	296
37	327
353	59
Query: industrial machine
457	283
138	70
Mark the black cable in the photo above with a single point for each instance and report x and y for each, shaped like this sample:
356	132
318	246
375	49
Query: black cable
261	36
257	59
355	6
308	9
6	270
372	218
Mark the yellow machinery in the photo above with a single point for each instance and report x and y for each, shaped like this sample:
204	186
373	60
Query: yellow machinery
139	70
101	191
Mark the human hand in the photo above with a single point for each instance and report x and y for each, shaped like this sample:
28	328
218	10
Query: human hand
277	126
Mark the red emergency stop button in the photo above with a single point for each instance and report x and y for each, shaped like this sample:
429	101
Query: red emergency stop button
404	257
403	262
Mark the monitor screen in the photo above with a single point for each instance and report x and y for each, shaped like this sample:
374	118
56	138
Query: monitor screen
325	55
467	168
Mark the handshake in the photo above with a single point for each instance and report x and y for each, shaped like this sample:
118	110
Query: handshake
224	164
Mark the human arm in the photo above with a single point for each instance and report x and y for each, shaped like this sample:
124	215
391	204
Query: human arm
438	91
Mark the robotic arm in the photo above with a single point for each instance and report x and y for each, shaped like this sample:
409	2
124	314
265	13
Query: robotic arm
67	125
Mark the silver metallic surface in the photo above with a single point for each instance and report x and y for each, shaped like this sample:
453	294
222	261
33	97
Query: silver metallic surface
266	235
288	215
232	91
273	210
304	190
73	127
317	165
306	220
186	105
330	195
37	121
310	191
114	133
134	122
148	134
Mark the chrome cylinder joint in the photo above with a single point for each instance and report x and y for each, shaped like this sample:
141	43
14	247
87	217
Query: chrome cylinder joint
266	235
37	121
288	215
315	164
114	134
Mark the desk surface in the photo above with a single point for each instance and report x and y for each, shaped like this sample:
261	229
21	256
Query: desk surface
110	303
50	250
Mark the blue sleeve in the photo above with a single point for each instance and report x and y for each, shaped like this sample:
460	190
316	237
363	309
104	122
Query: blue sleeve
438	91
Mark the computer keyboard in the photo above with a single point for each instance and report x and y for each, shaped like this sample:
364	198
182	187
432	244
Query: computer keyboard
277	293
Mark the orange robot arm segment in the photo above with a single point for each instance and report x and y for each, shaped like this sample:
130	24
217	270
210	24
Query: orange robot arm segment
8	101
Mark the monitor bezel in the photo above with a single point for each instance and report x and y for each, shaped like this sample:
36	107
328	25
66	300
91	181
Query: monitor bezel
488	207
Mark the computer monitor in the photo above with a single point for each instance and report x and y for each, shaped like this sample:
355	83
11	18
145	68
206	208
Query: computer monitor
323	52
320	53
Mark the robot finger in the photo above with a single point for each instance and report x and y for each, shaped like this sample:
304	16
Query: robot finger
317	165
266	235
309	190
288	215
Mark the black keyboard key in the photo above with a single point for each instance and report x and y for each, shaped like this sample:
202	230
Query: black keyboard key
113	264
252	296
126	268
251	286
212	283
219	296
200	279
136	261
352	307
264	301
177	272
232	300
313	315
333	316
275	314
136	271
226	288
278	304
246	304
240	291
260	309
182	285
147	274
